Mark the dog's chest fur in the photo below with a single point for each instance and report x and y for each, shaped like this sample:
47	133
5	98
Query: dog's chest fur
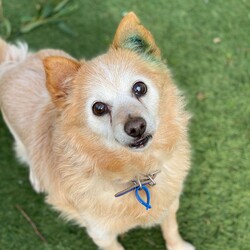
86	194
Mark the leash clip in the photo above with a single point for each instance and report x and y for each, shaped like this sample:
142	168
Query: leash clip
138	197
141	184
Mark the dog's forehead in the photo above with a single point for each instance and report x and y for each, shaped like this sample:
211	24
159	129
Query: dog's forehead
112	76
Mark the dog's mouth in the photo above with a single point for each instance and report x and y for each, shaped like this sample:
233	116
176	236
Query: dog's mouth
141	143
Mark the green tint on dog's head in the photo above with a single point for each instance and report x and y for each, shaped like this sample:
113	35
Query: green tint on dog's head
132	35
137	44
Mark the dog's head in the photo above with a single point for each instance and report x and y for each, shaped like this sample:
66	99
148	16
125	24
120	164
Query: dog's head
116	95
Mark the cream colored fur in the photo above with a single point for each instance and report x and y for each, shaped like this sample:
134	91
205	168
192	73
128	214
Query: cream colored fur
79	168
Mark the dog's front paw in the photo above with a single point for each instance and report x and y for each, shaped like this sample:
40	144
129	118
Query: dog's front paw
183	245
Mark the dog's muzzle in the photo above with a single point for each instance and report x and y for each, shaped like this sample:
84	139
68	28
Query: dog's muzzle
135	127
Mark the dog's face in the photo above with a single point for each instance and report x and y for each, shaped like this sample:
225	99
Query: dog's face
118	93
122	106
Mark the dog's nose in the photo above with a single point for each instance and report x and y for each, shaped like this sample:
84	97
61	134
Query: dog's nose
135	127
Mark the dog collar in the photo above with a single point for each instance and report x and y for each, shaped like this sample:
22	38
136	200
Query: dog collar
139	184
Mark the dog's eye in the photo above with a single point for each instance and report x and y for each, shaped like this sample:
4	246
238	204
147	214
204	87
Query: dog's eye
139	89
100	108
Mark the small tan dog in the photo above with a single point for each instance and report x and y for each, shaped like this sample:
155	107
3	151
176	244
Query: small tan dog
102	138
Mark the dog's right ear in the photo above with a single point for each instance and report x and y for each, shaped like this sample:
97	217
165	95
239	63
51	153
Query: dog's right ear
132	35
60	72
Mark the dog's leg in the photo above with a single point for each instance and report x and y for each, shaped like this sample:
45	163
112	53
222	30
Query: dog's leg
22	155
35	182
103	239
171	233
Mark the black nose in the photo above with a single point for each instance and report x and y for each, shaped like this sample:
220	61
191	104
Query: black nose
135	127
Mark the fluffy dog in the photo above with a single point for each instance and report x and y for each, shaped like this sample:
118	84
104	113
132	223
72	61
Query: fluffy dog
102	138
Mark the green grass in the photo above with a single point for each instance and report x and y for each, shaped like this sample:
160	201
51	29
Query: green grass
215	206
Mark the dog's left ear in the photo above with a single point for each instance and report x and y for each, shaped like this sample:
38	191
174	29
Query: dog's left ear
60	72
130	34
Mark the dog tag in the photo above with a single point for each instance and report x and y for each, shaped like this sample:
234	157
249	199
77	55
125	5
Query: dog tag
138	197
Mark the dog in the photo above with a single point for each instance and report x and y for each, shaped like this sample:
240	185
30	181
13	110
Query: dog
106	139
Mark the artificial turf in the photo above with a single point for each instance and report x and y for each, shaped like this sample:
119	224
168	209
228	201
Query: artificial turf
215	77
